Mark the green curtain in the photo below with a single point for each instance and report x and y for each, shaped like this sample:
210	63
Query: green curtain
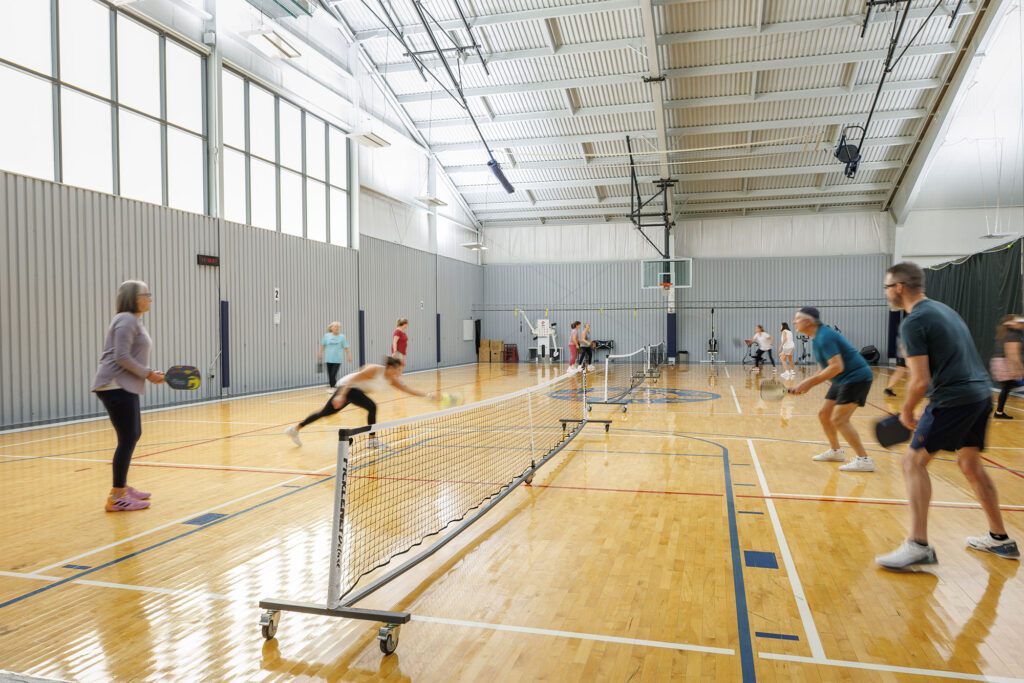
982	288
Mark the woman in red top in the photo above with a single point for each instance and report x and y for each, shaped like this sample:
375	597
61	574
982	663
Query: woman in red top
574	342
399	340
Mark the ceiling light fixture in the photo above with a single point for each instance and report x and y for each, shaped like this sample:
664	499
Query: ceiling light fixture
271	43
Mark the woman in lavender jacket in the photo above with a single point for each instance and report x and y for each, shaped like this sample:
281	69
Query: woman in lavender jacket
120	380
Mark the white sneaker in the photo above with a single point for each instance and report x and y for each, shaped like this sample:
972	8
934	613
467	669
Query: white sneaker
858	464
830	455
293	433
590	368
907	554
331	391
986	543
374	442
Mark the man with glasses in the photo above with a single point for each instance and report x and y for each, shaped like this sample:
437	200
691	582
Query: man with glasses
944	363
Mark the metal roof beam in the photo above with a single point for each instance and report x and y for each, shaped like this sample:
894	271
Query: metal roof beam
690	71
814	191
654	80
682	209
836	167
711	129
813	146
721	100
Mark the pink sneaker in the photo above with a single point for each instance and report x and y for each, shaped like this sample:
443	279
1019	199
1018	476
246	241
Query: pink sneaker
125	504
135	493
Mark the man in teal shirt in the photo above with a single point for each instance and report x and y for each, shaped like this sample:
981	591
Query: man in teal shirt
851	381
944	363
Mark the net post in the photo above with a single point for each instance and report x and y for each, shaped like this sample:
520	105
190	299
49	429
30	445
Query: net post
529	409
338	524
606	373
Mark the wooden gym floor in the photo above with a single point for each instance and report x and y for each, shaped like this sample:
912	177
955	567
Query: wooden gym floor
696	540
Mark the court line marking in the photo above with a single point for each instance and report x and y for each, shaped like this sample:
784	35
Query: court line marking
735	400
726	368
890	501
937	673
121	586
182	520
810	630
576	635
52	438
747	669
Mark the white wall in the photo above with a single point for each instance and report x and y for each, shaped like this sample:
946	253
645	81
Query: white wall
934	236
733	237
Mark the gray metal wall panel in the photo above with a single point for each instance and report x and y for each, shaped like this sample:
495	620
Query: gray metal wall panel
66	251
397	281
317	284
750	291
460	288
608	295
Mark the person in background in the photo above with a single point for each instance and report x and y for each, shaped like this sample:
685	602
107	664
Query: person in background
574	342
400	341
586	348
119	382
786	349
331	345
1006	363
764	343
899	372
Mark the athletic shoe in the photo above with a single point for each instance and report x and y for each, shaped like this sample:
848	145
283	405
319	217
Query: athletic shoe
590	368
907	554
331	391
830	455
293	434
136	494
125	504
986	543
1002	416
888	392
858	464
374	442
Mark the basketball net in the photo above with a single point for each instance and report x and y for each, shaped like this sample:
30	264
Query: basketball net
666	288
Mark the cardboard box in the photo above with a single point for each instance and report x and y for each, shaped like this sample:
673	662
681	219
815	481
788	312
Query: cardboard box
485	351
495	356
497	345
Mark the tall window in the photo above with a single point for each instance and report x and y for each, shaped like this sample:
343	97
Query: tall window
284	168
121	111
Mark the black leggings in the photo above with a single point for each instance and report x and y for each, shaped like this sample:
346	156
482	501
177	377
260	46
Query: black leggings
332	373
586	355
123	408
757	357
355	397
1007	388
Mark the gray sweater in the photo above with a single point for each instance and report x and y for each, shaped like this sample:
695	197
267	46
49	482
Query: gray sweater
125	356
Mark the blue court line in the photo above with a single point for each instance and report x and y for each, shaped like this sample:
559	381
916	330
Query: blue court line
741	464
777	636
739	484
155	545
749	512
742	623
290	486
760	559
75	566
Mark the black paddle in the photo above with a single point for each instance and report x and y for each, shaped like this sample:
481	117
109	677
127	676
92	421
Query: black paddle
889	431
183	377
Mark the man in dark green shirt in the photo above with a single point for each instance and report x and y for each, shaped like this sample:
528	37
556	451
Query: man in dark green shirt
944	363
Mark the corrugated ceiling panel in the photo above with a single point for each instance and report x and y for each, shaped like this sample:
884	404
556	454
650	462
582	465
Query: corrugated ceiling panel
586	28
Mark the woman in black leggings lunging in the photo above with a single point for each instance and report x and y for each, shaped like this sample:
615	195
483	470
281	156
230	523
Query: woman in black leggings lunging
355	388
1006	360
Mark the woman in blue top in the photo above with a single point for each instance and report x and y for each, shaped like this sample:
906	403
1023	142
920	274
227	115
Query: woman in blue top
331	345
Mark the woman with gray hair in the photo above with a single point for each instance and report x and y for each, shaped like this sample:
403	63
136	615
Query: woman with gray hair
120	380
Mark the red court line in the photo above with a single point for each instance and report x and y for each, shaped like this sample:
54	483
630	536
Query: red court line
227	469
1002	467
200	443
594	488
872	502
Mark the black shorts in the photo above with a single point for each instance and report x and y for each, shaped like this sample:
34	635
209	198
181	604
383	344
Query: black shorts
953	428
852	392
901	362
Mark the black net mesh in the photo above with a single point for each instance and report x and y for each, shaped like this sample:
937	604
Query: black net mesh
621	375
417	477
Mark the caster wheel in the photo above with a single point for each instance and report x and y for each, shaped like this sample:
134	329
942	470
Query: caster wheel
623	408
606	428
268	623
528	480
387	636
589	408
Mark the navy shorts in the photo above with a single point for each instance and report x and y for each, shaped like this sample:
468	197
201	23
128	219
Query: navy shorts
852	392
953	428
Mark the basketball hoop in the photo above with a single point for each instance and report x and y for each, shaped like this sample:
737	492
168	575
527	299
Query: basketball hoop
666	287
670	301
